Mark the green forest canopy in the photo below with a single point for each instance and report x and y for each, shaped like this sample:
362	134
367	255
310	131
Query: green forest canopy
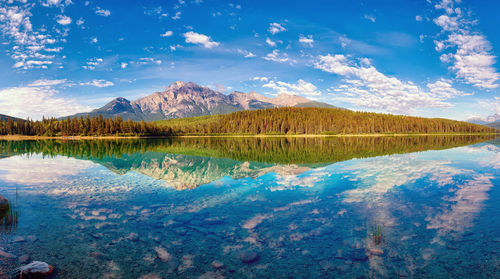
275	121
292	120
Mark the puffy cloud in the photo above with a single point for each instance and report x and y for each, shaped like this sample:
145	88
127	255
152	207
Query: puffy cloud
35	102
276	56
365	86
123	65
200	39
167	34
300	88
260	78
306	40
93	40
28	45
418	18
98	83
102	12
63	20
270	42
276	28
469	52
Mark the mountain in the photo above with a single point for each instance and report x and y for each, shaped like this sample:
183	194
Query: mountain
488	120
4	117
187	99
495	125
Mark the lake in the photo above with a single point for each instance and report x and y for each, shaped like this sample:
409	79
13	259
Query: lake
353	207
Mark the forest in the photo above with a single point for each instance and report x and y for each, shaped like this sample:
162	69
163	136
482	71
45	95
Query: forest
297	121
95	126
275	121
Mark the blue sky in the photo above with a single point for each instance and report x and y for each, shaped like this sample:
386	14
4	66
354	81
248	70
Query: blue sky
426	58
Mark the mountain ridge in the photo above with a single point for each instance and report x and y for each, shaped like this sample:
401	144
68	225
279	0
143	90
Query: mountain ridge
187	99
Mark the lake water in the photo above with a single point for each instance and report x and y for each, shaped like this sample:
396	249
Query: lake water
416	207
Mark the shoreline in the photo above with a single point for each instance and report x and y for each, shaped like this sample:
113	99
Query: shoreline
22	137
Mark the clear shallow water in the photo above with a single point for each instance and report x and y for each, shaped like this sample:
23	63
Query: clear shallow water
301	208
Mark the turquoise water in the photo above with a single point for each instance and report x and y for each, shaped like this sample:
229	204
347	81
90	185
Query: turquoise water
431	213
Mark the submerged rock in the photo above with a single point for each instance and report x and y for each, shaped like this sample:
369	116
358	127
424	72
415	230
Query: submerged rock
359	254
248	257
18	239
216	264
4	254
24	259
36	269
162	254
151	276
4	204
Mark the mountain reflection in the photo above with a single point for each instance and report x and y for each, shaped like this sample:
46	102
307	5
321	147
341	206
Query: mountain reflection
186	163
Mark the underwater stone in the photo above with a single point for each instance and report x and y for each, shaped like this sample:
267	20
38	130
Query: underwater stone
24	258
376	251
359	255
18	239
248	257
6	255
36	269
216	264
4	204
151	276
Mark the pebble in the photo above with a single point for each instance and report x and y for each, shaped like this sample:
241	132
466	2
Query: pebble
18	239
376	251
36	269
359	254
248	257
151	276
6	254
24	259
216	264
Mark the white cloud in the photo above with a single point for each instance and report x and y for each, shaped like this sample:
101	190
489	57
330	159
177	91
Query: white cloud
306	40
80	22
35	102
469	52
92	63
200	39
123	65
276	56
177	16
418	18
27	43
365	86
261	78
246	53
300	88
98	83
147	60
270	42
369	17
167	34
93	40
102	12
48	82
63	20
276	28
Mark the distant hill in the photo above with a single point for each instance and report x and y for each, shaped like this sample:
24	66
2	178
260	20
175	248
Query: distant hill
187	99
495	125
307	120
4	117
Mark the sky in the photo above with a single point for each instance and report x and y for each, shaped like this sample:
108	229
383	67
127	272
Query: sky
423	57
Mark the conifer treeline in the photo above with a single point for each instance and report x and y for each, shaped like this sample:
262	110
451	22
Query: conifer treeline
95	126
292	120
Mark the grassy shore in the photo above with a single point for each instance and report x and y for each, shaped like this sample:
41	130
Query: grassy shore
22	137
